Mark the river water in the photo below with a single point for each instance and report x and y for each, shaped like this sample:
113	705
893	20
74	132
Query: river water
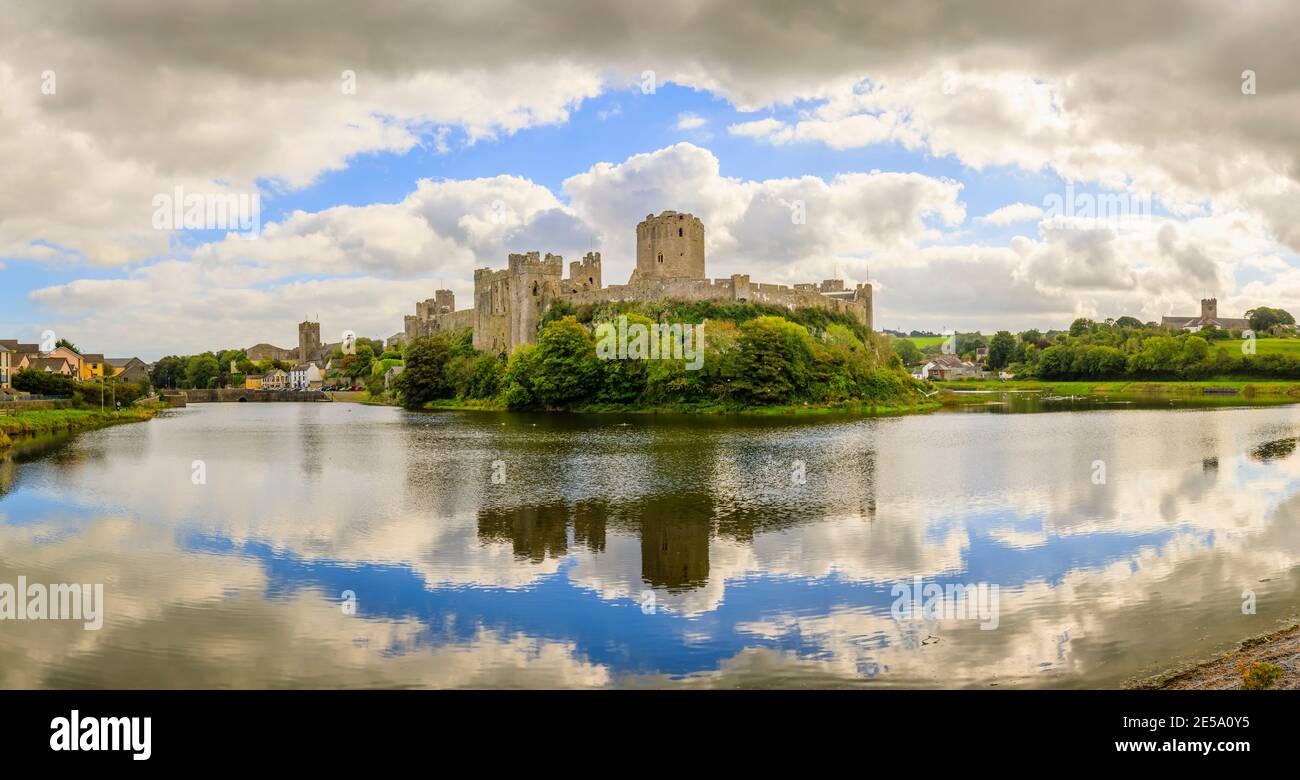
340	545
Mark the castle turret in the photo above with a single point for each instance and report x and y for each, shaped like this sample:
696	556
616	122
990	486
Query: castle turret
584	274
1209	308
669	245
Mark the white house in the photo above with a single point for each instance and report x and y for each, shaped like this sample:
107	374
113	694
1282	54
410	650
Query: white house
303	375
391	374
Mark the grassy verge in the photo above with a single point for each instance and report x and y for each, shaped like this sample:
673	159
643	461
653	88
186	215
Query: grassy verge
853	407
22	424
1247	387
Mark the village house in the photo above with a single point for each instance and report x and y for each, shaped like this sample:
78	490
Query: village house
390	375
91	367
56	365
130	369
945	367
275	379
19	350
305	376
6	358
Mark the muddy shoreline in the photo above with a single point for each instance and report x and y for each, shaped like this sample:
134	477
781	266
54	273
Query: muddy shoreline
1224	673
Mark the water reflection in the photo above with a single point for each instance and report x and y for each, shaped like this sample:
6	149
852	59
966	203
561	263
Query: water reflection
770	546
1270	451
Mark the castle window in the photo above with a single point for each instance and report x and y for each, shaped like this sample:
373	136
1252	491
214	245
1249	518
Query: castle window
534	289
661	257
680	233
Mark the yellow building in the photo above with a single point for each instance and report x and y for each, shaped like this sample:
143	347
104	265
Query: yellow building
92	367
252	383
275	379
6	364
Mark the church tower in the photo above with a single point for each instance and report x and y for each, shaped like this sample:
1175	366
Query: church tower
308	340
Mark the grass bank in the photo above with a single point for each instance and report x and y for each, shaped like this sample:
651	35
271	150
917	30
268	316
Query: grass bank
715	408
1245	387
37	422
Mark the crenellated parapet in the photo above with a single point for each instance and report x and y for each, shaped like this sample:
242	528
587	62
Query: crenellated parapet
584	274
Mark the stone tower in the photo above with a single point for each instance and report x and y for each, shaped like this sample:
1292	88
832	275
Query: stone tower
308	340
533	283
1210	308
584	274
669	245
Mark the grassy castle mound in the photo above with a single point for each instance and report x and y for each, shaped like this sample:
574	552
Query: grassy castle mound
753	357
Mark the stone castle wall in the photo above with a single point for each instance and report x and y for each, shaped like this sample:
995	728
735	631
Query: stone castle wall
509	303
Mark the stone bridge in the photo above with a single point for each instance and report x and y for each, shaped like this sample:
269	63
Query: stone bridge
236	394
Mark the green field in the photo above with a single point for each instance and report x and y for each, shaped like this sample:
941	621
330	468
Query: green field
1262	346
922	342
1247	387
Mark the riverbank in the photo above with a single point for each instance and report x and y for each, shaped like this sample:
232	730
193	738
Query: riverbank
852	408
496	405
1277	652
16	426
1244	387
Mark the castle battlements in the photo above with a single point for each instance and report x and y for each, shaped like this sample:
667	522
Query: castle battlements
509	303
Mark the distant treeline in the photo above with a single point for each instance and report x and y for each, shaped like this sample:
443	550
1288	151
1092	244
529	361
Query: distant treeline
1128	349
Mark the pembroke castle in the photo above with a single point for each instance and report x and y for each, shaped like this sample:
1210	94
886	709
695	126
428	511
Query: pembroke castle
509	303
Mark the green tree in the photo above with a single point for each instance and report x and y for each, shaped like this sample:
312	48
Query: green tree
775	360
567	369
200	370
489	375
362	362
906	351
1001	347
1263	318
423	378
168	372
1080	326
519	393
30	380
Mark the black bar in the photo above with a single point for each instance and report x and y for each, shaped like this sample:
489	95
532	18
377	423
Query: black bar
1050	730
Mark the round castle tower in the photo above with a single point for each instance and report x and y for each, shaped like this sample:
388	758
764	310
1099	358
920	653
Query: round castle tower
669	245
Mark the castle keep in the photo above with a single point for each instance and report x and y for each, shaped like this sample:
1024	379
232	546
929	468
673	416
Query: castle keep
509	303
